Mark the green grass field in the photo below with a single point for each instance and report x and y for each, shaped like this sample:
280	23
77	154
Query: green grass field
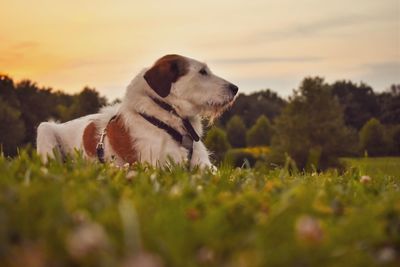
376	166
87	214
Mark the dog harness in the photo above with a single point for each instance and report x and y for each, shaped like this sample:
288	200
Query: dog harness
185	140
100	144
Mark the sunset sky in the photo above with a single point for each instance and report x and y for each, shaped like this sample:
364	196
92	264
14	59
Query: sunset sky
255	44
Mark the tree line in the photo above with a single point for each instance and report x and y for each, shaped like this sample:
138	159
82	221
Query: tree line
317	124
24	105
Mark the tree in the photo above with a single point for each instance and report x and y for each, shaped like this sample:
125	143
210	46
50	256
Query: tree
260	133
87	102
372	138
359	102
217	142
396	140
389	102
236	131
311	129
12	128
250	107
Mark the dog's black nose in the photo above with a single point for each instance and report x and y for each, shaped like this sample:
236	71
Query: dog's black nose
234	89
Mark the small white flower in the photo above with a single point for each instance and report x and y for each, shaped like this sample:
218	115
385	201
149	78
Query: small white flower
365	179
44	170
86	239
309	230
176	191
130	175
386	255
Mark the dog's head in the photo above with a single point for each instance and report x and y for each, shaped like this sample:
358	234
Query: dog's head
190	85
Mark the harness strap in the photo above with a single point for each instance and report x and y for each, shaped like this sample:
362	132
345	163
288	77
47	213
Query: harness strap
184	140
100	144
185	121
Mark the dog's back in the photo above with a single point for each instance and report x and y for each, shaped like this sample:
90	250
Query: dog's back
64	138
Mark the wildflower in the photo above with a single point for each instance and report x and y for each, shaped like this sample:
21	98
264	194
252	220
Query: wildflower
386	255
44	170
88	238
143	259
205	255
192	214
309	230
176	191
130	175
365	179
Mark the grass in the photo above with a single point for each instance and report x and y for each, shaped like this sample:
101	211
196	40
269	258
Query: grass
376	166
87	214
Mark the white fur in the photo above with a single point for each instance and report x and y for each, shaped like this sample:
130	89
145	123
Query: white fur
193	95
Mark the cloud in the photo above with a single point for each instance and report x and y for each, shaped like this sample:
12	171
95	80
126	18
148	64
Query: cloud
306	29
319	26
250	60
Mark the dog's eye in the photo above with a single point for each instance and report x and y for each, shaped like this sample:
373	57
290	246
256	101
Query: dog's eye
203	72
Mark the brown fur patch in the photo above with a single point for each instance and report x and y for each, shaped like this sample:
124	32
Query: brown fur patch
90	139
121	141
164	72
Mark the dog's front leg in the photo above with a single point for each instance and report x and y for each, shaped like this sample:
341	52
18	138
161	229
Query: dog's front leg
201	156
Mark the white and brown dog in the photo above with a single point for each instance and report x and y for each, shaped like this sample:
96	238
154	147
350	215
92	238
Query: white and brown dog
158	119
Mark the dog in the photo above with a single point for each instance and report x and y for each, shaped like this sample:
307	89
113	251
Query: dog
159	120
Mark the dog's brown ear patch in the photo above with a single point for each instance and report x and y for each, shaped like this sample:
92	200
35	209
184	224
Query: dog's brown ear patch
90	139
121	141
164	72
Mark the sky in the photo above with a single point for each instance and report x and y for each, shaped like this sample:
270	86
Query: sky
255	44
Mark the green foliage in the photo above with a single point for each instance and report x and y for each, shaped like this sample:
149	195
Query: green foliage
372	138
390	105
87	102
217	143
248	157
12	129
236	131
81	213
31	105
311	128
358	102
240	157
260	133
375	167
395	138
250	107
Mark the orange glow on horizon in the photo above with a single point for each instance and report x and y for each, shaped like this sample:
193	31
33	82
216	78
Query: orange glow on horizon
261	44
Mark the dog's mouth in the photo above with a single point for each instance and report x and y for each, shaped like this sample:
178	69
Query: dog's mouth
220	104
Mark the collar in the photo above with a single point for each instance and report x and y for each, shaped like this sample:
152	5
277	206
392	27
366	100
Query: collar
185	121
185	140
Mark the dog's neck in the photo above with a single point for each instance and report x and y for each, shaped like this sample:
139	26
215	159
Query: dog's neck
142	95
187	125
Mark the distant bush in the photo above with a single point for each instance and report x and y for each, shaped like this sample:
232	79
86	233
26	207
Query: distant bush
12	128
240	156
372	138
395	137
236	131
260	133
217	143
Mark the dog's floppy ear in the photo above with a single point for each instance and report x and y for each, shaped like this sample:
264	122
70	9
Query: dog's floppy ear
164	72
